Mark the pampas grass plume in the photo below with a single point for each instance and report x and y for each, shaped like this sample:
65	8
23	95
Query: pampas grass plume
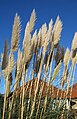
15	33
74	42
32	20
5	56
34	38
44	31
57	30
56	71
50	25
66	57
19	61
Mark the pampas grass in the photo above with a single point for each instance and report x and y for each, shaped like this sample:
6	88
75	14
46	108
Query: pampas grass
5	56
32	20
66	57
56	71
15	33
18	69
57	30
74	42
41	55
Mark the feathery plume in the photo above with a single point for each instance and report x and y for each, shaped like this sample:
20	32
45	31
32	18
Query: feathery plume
66	57
10	63
44	31
27	29
19	61
32	21
56	71
57	30
27	49
39	38
18	72
40	33
74	42
27	52
34	39
45	45
50	25
15	33
27	35
5	56
46	39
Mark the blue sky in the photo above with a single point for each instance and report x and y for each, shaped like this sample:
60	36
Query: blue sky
45	10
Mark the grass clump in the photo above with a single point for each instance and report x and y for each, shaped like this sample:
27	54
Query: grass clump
41	62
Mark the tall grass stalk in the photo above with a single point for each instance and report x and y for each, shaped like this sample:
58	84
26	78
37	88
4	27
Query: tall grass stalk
4	106
41	88
23	89
38	77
